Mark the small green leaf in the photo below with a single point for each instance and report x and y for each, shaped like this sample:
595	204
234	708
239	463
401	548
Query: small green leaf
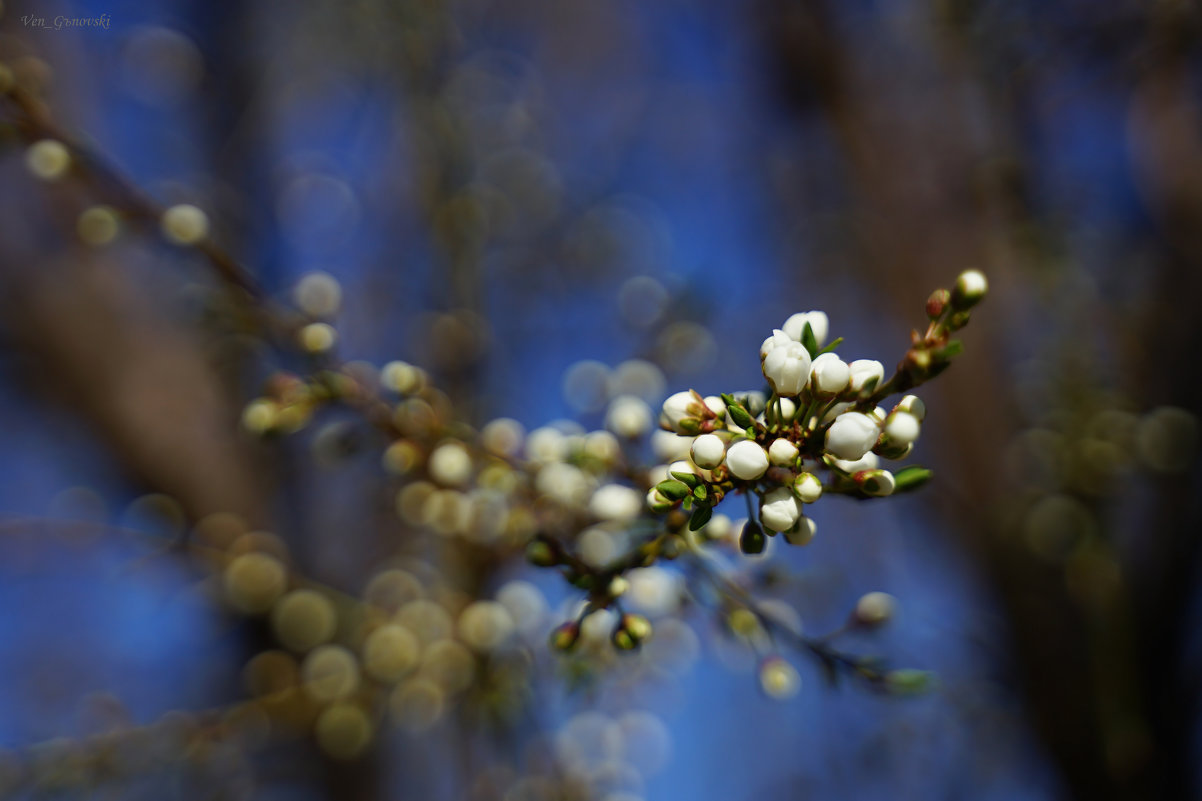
908	681
910	478
807	339
740	417
672	490
830	347
701	516
870	385
699	492
952	349
690	479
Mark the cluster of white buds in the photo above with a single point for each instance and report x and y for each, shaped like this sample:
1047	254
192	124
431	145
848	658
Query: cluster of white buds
821	430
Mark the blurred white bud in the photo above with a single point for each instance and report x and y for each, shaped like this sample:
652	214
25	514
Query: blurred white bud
819	325
969	290
602	446
747	460
317	337
708	451
184	224
547	444
48	159
875	608
782	452
451	465
564	483
851	435
864	370
780	509
502	436
779	679
616	502
628	416
668	446
402	377
318	294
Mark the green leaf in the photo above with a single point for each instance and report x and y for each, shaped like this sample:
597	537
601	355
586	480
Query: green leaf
952	349
740	416
870	385
911	477
830	346
690	479
699	492
672	490
908	681
807	339
701	516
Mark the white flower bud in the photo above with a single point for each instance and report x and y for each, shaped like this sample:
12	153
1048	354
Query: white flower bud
782	452
803	531
835	410
829	375
863	370
851	435
878	483
747	460
969	290
914	405
787	367
668	446
48	159
777	339
868	461
807	487
819	324
902	428
716	405
779	510
678	408
875	608
451	465
879	414
615	502
708	451
628	416
788	409
184	224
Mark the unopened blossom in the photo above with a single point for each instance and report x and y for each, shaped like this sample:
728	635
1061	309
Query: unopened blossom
708	451
969	289
628	416
875	608
746	460
902	428
851	435
868	461
616	502
679	410
777	339
668	446
829	375
914	405
780	509
803	531
807	487
878	483
864	370
787	367
450	464
818	321
782	452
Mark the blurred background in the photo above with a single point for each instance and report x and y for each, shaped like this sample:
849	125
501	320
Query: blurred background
546	205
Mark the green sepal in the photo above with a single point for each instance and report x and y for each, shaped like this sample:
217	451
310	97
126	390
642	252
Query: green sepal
701	516
910	477
672	490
